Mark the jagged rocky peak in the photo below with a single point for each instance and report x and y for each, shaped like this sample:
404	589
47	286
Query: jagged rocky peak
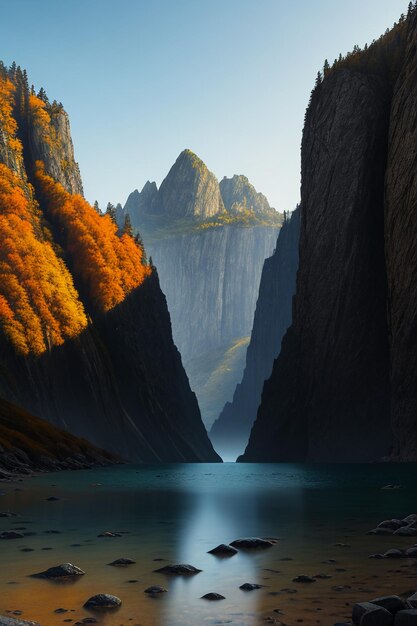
190	189
139	204
238	194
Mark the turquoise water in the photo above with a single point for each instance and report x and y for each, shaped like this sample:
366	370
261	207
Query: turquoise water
178	513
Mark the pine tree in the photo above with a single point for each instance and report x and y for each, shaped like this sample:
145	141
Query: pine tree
410	9
141	246
326	67
96	207
319	79
127	226
111	211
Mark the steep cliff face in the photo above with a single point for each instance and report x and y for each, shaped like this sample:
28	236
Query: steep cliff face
85	334
189	190
401	252
209	256
211	290
343	386
50	141
273	313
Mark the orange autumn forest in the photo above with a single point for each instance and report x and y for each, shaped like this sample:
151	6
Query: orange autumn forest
44	254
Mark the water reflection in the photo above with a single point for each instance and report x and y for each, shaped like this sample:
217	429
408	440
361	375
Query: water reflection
178	513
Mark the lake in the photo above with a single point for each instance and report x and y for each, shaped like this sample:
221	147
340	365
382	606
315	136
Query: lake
176	513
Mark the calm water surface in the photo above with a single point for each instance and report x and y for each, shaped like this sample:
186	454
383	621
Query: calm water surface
178	513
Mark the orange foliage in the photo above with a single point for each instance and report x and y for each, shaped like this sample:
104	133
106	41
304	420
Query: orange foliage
39	306
38	111
109	266
7	122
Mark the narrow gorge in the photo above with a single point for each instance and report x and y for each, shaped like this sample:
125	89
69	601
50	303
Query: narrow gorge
208	241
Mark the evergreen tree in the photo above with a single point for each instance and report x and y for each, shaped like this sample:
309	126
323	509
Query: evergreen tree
127	226
140	244
111	211
96	207
319	79
326	67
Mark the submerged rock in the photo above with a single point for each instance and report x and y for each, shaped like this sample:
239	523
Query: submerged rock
223	550
155	590
181	569
65	570
251	543
122	562
250	586
109	533
304	579
11	534
103	601
213	596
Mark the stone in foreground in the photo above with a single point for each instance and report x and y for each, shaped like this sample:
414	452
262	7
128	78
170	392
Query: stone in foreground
223	549
181	569
408	617
65	570
213	596
393	604
251	543
369	614
103	601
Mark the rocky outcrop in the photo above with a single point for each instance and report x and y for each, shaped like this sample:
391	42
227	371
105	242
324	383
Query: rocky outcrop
230	432
239	194
118	380
52	144
141	204
29	444
343	386
189	190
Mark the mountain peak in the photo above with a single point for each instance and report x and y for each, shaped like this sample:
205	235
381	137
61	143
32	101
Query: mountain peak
190	189
239	194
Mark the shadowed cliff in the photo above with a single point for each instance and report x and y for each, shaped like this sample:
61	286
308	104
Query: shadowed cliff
344	385
230	432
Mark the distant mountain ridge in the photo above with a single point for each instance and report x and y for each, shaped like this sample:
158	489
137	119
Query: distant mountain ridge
190	198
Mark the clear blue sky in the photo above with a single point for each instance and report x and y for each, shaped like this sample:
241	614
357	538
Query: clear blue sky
144	79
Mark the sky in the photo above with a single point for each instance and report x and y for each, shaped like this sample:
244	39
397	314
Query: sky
144	79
